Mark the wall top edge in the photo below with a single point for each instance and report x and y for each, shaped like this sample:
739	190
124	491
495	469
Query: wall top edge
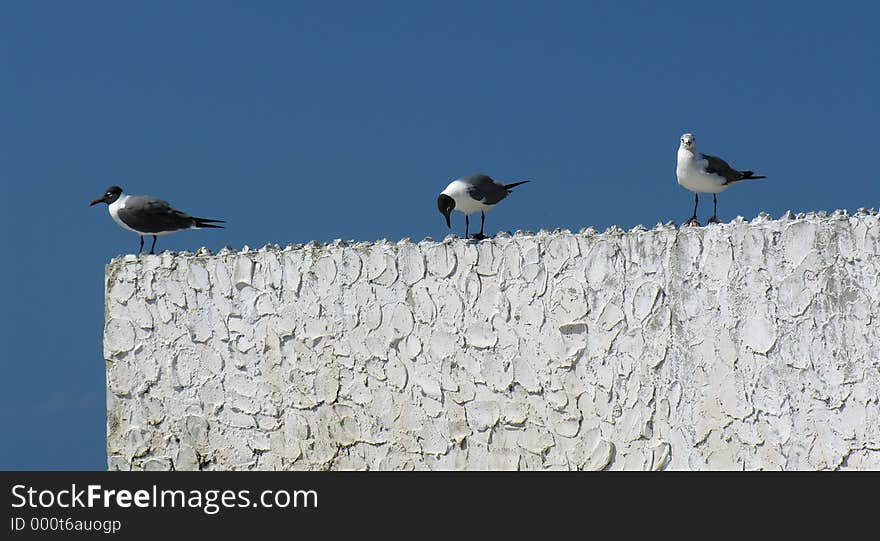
763	219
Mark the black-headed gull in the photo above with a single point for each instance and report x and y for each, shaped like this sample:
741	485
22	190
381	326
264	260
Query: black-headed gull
470	194
148	215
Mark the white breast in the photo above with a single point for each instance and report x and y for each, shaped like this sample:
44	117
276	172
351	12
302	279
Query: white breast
458	191
114	207
691	174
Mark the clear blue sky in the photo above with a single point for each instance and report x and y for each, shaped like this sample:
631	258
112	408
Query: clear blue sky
324	120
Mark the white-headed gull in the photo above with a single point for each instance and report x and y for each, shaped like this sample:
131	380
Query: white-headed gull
702	173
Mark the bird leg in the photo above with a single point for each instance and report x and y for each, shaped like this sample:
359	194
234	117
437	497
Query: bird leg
480	235
714	218
141	247
154	244
467	225
693	220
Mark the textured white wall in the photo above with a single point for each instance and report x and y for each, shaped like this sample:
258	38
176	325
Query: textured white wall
743	345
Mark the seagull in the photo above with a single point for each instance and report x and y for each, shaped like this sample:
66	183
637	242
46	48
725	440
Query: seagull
148	215
702	173
470	194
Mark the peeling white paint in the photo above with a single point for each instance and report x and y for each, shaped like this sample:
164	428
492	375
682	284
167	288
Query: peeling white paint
742	345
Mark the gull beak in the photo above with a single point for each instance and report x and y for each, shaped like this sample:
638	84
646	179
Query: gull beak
96	201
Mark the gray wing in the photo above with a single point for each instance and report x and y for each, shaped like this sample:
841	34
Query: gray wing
151	215
483	188
716	165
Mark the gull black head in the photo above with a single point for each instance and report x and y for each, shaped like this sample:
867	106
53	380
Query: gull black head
445	204
111	195
688	141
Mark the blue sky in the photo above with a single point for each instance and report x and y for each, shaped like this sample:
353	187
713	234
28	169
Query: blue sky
324	120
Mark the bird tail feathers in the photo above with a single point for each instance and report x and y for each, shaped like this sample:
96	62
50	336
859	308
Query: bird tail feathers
207	222
750	175
515	184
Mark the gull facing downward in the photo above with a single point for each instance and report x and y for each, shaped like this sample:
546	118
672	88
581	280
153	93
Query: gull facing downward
470	194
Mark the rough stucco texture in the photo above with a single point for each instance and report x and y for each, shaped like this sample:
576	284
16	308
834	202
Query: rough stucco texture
746	345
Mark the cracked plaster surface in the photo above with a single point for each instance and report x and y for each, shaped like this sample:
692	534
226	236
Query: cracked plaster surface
748	345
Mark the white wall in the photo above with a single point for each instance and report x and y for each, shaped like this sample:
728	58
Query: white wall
744	345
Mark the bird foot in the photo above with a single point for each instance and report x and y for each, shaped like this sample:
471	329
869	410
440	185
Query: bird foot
714	220
692	222
478	236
